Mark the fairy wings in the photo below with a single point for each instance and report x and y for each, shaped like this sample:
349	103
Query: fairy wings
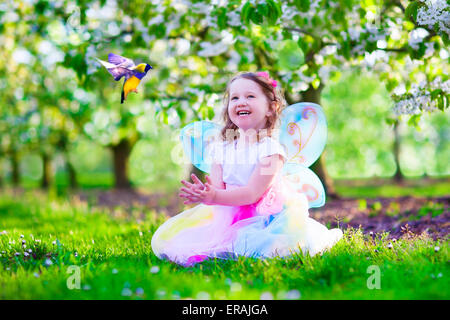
303	133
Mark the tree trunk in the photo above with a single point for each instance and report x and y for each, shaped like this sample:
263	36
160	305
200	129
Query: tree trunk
121	154
1	171
46	171
73	184
313	95
15	170
63	146
398	175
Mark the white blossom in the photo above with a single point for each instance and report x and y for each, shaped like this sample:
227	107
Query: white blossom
210	49
105	13
92	64
201	8
354	33
215	49
429	49
416	36
315	4
154	269
418	98
126	292
375	33
234	18
324	72
156	20
266	296
22	55
434	12
288	12
219	3
293	294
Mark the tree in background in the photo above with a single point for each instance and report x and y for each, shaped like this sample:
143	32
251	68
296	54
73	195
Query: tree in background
195	47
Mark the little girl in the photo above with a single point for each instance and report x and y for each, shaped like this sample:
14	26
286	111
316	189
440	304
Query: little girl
246	207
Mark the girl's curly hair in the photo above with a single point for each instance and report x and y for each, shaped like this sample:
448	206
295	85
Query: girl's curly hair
270	89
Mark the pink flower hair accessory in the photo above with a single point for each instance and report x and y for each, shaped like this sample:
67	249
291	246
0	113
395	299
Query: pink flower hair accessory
265	74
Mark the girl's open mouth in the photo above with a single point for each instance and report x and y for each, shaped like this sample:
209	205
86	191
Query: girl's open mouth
243	113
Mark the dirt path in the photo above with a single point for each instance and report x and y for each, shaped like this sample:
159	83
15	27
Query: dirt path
394	215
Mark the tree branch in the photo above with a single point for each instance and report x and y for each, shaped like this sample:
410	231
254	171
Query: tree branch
300	31
404	49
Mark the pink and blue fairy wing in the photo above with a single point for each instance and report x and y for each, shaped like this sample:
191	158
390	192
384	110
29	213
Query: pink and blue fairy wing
303	134
197	139
304	180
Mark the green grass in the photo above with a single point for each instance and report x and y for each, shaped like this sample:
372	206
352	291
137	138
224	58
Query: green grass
386	188
115	260
99	180
96	180
356	188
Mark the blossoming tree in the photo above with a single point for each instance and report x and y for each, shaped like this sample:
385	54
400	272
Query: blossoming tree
195	46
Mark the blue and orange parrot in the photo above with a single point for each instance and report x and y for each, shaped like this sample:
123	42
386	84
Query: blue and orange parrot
120	67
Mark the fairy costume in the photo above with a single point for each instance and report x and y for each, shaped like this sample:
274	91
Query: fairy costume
278	224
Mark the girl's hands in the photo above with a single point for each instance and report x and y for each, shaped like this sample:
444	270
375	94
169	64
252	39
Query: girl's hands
197	191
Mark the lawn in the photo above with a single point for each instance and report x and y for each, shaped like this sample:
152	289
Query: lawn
60	248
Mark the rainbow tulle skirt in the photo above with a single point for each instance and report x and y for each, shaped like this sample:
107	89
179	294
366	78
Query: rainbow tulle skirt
277	225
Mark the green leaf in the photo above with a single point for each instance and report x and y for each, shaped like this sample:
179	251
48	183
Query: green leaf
411	10
391	84
290	56
163	117
345	49
210	113
40	7
445	38
435	93
262	9
278	8
256	17
442	101
302	5
316	83
414	121
302	44
222	18
274	12
77	63
245	12
181	113
390	121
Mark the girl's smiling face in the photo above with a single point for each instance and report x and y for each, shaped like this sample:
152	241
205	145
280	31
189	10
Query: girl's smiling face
248	107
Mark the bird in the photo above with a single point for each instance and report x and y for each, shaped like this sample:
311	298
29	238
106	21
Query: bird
119	67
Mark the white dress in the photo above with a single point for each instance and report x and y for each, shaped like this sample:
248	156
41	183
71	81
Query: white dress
278	224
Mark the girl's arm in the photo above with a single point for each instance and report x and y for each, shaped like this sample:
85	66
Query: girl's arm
260	180
216	176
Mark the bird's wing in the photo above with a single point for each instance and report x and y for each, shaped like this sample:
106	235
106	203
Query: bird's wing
120	61
116	71
107	65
